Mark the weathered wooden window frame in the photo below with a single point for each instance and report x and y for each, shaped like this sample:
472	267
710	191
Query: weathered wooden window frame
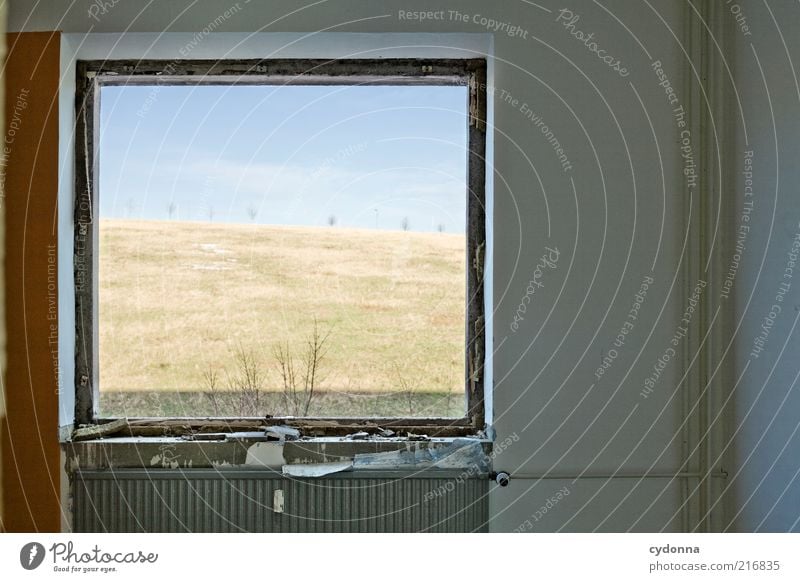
92	75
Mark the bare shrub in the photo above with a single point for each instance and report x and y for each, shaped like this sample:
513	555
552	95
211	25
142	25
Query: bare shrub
211	380
247	382
244	386
300	375
408	388
244	391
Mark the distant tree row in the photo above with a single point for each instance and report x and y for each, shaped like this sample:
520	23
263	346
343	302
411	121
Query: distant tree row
252	214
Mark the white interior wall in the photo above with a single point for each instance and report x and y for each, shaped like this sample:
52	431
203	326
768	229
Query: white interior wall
763	490
609	228
616	217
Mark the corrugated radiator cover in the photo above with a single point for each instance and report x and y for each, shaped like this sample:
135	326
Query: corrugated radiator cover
247	500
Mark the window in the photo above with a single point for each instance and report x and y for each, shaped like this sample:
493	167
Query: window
284	238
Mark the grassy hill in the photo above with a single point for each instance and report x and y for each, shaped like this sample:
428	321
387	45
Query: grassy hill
179	299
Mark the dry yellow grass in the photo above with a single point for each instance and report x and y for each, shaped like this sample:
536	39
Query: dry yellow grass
177	297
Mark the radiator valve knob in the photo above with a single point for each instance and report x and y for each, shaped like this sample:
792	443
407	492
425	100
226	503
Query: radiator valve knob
502	478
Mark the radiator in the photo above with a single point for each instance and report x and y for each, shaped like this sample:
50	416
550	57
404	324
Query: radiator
246	500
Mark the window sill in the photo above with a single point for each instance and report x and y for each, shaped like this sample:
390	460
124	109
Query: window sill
196	428
253	450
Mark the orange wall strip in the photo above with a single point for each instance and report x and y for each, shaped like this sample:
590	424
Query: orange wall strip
29	166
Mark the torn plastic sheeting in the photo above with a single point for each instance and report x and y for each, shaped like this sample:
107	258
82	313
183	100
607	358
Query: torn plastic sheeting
460	454
282	432
316	469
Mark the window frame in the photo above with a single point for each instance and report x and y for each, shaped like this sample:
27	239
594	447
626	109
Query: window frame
91	75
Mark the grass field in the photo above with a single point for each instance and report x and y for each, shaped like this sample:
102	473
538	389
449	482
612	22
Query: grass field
179	299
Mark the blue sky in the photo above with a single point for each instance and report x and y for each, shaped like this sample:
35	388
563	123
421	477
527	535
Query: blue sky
293	154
